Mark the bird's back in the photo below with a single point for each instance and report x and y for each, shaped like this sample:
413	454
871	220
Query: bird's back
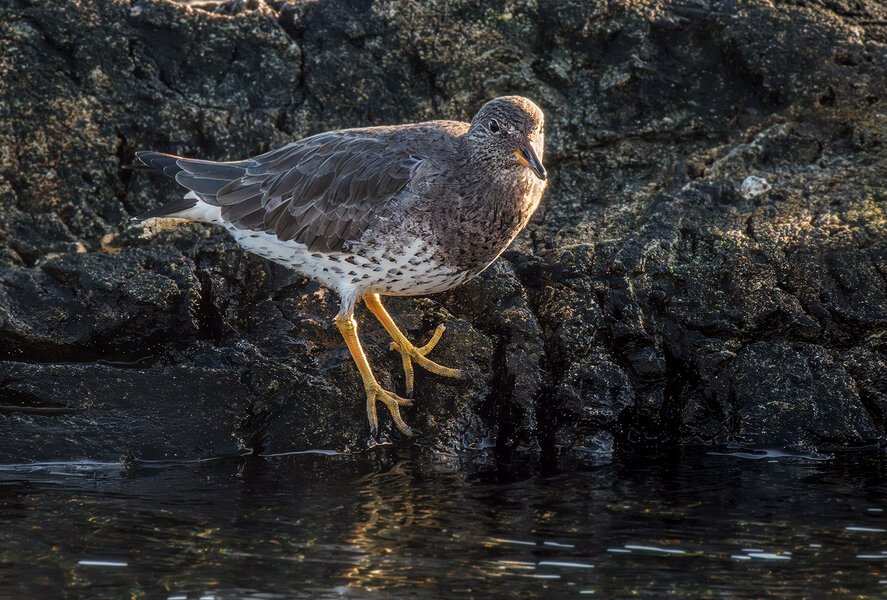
323	191
394	209
332	206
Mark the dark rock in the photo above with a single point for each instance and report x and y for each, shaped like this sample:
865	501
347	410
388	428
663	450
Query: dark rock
496	303
92	304
709	264
867	365
794	394
104	411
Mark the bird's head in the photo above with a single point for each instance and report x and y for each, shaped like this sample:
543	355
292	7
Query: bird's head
509	131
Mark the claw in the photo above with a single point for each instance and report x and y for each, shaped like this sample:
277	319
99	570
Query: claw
346	324
392	401
435	337
408	353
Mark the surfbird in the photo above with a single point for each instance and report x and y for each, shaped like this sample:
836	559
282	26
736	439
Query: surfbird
381	211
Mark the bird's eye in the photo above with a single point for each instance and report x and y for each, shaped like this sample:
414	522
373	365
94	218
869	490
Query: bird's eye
494	126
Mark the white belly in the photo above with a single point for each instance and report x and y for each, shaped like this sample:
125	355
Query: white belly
406	271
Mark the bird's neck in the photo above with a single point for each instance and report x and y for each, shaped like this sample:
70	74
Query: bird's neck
496	203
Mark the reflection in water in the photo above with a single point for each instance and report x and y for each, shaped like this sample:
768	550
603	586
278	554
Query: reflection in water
312	526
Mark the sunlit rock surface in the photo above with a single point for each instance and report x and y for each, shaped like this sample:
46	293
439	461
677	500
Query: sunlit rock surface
709	265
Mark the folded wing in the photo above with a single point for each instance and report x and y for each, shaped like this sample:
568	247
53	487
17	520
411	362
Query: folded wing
323	191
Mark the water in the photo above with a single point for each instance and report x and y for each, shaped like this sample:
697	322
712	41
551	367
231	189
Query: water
371	526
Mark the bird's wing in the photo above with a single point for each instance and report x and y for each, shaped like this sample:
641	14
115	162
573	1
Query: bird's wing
322	191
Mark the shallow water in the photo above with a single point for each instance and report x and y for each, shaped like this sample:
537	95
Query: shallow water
314	526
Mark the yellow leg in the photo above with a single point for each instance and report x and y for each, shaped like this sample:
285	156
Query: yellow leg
348	326
408	352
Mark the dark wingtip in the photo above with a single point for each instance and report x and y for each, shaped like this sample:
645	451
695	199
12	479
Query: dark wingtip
165	163
141	157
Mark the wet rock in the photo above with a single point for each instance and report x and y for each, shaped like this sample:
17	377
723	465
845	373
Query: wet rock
80	305
709	264
495	302
795	394
102	412
867	365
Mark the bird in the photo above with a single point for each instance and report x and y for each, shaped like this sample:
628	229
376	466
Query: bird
400	210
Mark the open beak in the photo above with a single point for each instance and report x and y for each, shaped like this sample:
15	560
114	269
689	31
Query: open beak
527	157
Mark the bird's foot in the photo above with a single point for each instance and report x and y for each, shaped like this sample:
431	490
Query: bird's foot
410	353
393	402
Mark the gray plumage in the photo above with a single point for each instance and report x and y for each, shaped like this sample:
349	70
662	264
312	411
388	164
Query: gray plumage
447	181
403	210
322	191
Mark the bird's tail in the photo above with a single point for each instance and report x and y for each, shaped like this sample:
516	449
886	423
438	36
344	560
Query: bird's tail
204	179
169	166
170	210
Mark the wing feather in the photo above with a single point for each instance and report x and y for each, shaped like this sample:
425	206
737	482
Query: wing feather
324	191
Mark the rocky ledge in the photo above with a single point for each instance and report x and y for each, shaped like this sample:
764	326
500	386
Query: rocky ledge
709	266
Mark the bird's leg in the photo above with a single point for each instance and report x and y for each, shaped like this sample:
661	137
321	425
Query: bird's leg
408	352
348	326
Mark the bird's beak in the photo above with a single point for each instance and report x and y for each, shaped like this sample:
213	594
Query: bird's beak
527	157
